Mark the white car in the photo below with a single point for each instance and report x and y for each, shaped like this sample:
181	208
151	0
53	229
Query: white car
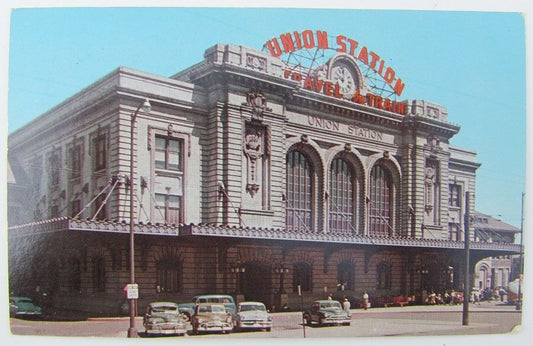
253	315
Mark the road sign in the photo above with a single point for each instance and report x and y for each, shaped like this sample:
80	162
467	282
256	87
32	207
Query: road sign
132	291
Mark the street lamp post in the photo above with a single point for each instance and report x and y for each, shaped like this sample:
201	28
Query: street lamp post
146	107
237	269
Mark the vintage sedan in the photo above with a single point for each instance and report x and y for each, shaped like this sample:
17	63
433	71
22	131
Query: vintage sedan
326	312
211	317
24	307
253	315
164	318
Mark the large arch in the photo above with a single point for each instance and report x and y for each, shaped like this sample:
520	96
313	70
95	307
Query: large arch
310	150
354	161
383	169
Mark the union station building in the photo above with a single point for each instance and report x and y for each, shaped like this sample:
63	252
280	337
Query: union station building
251	177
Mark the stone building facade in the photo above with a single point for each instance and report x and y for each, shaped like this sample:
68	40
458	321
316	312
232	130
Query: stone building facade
247	181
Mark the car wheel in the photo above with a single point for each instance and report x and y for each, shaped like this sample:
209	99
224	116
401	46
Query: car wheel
269	329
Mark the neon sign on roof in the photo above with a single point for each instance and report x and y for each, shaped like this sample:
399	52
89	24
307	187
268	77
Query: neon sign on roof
291	42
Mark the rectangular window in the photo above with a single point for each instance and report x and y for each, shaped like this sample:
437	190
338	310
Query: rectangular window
454	232
55	169
54	211
75	161
75	207
454	197
168	208
100	151
168	153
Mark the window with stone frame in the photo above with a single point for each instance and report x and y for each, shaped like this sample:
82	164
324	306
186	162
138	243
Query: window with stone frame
454	232
99	204
100	152
99	275
454	195
75	207
168	153
75	154
345	276
54	211
74	275
383	276
168	209
168	275
302	276
54	168
299	196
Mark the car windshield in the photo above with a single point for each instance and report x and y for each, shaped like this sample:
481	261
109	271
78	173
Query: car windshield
252	307
330	305
211	308
164	309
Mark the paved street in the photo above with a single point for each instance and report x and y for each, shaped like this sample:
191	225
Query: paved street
487	318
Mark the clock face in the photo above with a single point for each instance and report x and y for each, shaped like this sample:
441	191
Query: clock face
342	76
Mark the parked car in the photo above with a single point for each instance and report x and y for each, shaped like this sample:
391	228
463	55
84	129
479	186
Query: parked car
23	307
326	312
188	308
252	315
163	318
211	317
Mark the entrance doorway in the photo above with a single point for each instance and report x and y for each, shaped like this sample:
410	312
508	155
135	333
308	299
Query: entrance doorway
257	283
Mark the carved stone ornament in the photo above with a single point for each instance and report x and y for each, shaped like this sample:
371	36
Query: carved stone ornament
258	102
253	150
252	189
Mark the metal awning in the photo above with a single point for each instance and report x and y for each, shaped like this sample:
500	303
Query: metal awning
225	231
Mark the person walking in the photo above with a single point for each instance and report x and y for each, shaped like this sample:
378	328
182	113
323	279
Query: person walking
346	306
365	300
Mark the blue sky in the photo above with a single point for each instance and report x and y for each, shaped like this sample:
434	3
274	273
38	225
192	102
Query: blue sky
471	62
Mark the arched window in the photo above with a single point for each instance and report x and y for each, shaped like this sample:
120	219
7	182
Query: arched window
302	276
380	201
299	197
168	275
345	276
341	197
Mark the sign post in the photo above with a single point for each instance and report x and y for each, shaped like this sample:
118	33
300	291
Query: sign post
301	307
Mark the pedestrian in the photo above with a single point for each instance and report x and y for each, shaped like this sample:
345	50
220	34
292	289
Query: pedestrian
330	296
346	306
365	300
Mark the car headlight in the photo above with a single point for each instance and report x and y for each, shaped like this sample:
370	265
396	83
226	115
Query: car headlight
326	315
269	318
228	319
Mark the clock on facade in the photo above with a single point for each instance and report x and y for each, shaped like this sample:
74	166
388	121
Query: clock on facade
342	75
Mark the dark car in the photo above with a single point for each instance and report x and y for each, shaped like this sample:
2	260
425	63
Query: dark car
326	312
163	318
23	307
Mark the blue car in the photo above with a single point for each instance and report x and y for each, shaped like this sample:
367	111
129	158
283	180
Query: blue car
23	307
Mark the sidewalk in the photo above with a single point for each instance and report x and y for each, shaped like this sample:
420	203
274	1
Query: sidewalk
482	307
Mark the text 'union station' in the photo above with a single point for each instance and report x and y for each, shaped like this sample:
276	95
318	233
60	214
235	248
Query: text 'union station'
247	181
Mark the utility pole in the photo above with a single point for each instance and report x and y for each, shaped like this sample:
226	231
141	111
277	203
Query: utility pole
466	292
